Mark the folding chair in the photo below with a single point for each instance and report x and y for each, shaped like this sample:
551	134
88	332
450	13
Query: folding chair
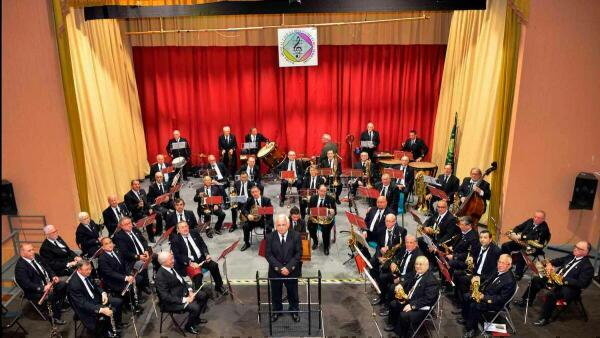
563	305
430	317
165	314
14	316
505	312
35	306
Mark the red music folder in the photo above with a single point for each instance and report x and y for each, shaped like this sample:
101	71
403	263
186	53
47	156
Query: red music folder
438	193
167	170
325	172
368	192
214	200
265	210
162	198
399	153
288	174
444	271
307	192
356	220
415	216
318	212
352	172
164	236
175	188
394	173
145	221
228	250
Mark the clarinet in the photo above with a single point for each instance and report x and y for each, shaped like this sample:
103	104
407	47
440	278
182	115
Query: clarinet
112	318
135	295
54	330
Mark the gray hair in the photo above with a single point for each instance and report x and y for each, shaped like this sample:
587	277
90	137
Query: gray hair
163	256
47	228
83	215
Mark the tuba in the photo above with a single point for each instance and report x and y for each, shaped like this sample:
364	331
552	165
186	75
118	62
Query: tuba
421	192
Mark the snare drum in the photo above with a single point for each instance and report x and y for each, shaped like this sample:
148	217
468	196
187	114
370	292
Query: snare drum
179	162
271	155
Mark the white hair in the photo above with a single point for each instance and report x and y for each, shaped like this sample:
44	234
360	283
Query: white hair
327	136
83	215
163	256
47	228
390	216
282	217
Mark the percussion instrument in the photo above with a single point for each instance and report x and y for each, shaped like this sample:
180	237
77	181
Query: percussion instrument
179	162
388	163
428	168
270	154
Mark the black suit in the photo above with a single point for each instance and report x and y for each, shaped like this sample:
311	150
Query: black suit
254	174
448	184
329	203
299	227
182	257
185	152
424	296
154	168
497	290
110	217
230	161
405	260
138	212
188	216
338	190
408	180
266	221
462	246
392	196
575	280
87	238
32	282
397	237
113	271
448	229
307	183
127	249
57	258
284	255
162	210
465	190
298	168
364	136
374	231
171	291
87	307
237	187
363	179
259	139
222	169
418	148
484	265
205	211
540	233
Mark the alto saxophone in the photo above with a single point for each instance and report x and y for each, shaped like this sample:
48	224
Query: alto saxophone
386	258
399	294
552	278
475	293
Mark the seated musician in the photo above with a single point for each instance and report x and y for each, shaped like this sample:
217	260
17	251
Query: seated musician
175	294
405	184
322	200
493	294
133	247
415	145
334	181
240	188
467	243
327	146
365	180
92	304
441	227
256	138
250	212
535	230
136	201
252	169
221	173
185	152
161	165
115	275
477	184
290	164
56	253
375	221
388	244
311	182
482	264
401	266
191	253
390	191
370	135
181	215
575	271
449	184
87	235
156	189
113	213
35	278
205	210
420	293
227	148
297	223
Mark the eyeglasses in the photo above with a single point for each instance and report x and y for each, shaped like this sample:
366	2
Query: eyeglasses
578	248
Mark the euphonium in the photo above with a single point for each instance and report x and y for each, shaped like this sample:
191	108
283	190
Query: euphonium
475	293
322	220
399	294
421	192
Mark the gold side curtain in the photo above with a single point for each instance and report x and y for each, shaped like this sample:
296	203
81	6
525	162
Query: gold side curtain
112	132
424	31
472	74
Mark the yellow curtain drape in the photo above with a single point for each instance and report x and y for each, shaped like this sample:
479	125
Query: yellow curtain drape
109	111
472	73
425	31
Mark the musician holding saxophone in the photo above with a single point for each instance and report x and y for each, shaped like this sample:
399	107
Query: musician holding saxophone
565	277
441	227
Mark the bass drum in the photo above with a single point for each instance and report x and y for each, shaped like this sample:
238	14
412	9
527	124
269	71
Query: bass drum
271	155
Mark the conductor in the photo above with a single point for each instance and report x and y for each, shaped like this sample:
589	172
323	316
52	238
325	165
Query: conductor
284	250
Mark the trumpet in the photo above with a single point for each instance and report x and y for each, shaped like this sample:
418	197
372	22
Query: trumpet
530	246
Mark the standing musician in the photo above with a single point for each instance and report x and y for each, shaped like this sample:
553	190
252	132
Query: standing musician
190	250
115	275
160	165
565	277
256	138
476	183
367	178
334	181
312	181
56	253
156	189
87	235
482	264
441	227
492	296
240	188
92	304
133	247
535	233
406	183
421	291
449	184
390	191
327	146
137	202
388	244
290	164
415	145
284	249
401	266
250	212
221	173
185	152
252	169
205	210
35	278
375	221
322	200
227	148
370	135
113	213
181	215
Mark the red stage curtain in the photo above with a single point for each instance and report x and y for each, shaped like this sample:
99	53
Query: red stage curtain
198	90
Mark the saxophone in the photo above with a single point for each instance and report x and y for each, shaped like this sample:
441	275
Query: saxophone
421	192
553	278
455	203
470	263
475	293
399	294
386	258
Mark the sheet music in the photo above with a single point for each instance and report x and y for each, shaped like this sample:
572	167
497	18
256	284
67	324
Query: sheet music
431	180
238	199
178	145
249	145
366	144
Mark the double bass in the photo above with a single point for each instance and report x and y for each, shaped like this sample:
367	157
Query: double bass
474	205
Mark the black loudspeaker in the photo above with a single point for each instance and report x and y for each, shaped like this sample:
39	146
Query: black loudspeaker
584	192
8	204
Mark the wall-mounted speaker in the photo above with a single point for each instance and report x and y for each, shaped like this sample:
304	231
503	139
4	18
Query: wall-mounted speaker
584	191
8	204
